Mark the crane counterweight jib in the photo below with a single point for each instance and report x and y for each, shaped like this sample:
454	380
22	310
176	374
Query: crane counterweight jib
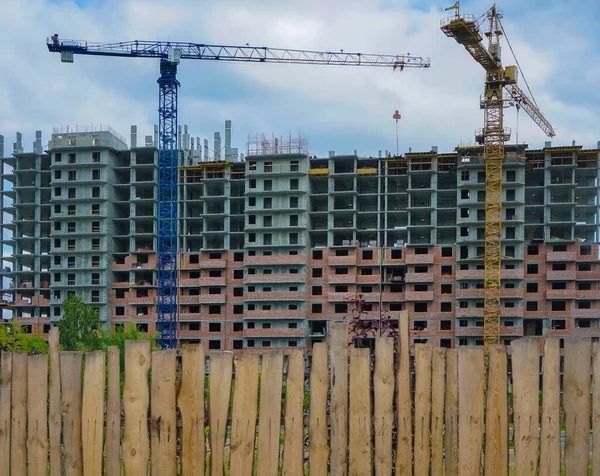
200	51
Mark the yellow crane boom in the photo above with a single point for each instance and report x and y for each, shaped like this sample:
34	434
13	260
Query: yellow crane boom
466	31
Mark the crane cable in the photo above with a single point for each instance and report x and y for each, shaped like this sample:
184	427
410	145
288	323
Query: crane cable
396	91
517	62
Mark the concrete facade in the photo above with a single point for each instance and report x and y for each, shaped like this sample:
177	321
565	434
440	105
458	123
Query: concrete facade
273	248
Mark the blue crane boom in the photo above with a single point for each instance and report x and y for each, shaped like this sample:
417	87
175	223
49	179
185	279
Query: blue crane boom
170	54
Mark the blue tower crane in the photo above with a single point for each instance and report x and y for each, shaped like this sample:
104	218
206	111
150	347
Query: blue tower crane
170	55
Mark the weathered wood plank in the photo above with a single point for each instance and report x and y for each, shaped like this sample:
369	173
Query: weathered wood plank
293	450
471	375
163	422
361	453
318	450
54	411
113	414
404	450
5	410
221	366
550	437
70	383
18	447
576	402
269	416
496	430
422	450
451	417
438	390
595	409
338	356
526	394
191	407
383	382
92	413
136	402
37	414
243	415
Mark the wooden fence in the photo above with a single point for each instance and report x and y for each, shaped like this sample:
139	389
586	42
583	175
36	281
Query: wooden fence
442	412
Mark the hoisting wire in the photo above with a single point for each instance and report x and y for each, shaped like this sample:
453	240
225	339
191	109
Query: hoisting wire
396	92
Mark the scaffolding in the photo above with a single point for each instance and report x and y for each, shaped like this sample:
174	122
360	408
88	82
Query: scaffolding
261	145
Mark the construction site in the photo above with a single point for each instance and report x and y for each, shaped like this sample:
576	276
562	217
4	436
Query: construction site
274	247
481	244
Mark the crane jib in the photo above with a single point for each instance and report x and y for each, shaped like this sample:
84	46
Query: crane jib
170	54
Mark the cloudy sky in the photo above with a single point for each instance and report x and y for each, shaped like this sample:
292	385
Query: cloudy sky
341	109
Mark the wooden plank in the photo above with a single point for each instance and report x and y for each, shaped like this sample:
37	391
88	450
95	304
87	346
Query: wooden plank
438	389
269	416
404	447
361	453
5	410
18	446
243	414
422	451
191	407
37	414
338	412
70	383
220	389
54	411
293	446
595	409
92	413
526	390
318	449
496	426
136	400
576	401
471	375
163	421
383	383
550	437
451	416
113	413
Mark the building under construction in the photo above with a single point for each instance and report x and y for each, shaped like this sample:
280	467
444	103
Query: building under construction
276	245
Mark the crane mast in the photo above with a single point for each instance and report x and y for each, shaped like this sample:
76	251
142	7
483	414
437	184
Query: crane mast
465	30
170	55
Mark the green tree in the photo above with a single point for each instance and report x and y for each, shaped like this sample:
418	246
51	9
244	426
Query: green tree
80	326
12	338
119	335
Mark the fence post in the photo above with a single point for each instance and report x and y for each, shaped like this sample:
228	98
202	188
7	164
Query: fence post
70	364
438	390
293	449
422	449
220	389
550	438
269	417
361	453
471	375
404	447
37	414
338	377
54	415
136	401
318	450
92	413
5	410
496	427
191	406
576	398
18	445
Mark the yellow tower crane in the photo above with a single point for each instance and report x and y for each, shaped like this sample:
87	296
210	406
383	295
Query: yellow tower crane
466	30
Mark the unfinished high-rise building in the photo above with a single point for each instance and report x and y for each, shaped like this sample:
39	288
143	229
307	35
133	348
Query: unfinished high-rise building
276	246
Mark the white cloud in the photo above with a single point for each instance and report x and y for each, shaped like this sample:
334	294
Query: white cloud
336	107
